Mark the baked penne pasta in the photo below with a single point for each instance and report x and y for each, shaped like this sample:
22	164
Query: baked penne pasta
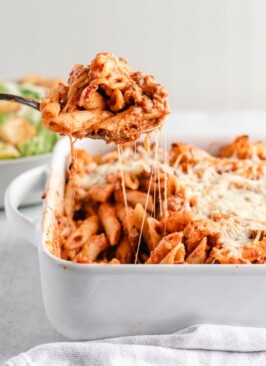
203	209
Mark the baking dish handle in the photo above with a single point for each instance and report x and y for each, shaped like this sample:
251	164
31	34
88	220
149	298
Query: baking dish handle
23	185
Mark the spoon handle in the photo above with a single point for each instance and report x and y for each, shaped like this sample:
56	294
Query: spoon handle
15	98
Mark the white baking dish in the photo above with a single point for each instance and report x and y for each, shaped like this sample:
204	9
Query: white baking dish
11	168
86	302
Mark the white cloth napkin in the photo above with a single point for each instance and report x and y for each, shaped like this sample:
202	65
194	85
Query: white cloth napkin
196	346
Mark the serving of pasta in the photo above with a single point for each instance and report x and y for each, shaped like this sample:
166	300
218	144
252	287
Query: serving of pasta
185	206
105	100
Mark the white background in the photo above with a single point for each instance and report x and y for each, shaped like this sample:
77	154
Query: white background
208	53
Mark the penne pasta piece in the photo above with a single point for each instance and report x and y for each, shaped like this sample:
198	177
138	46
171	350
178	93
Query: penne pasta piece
81	235
91	99
65	226
177	221
120	121
155	230
101	192
69	198
78	122
50	112
170	258
92	248
184	155
117	101
126	217
131	181
180	254
198	255
69	254
254	251
124	252
173	186
110	222
140	222
196	231
176	203
164	247
135	197
133	238
242	148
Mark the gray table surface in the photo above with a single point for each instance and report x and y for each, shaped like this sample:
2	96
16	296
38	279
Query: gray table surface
23	322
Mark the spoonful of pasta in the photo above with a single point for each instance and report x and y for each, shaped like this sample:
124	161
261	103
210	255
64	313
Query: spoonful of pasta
104	100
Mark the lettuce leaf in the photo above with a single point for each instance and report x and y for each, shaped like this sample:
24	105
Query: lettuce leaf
29	93
41	144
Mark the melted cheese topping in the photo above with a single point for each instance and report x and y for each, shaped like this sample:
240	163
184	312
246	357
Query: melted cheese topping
240	202
133	162
229	203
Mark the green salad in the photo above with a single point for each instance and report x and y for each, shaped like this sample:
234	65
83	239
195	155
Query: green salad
21	131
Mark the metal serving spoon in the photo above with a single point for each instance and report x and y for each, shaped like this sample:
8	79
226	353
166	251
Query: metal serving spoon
15	98
36	105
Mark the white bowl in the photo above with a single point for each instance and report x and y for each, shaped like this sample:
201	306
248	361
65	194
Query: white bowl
10	168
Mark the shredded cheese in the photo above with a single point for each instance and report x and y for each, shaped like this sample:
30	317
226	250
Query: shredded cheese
231	204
